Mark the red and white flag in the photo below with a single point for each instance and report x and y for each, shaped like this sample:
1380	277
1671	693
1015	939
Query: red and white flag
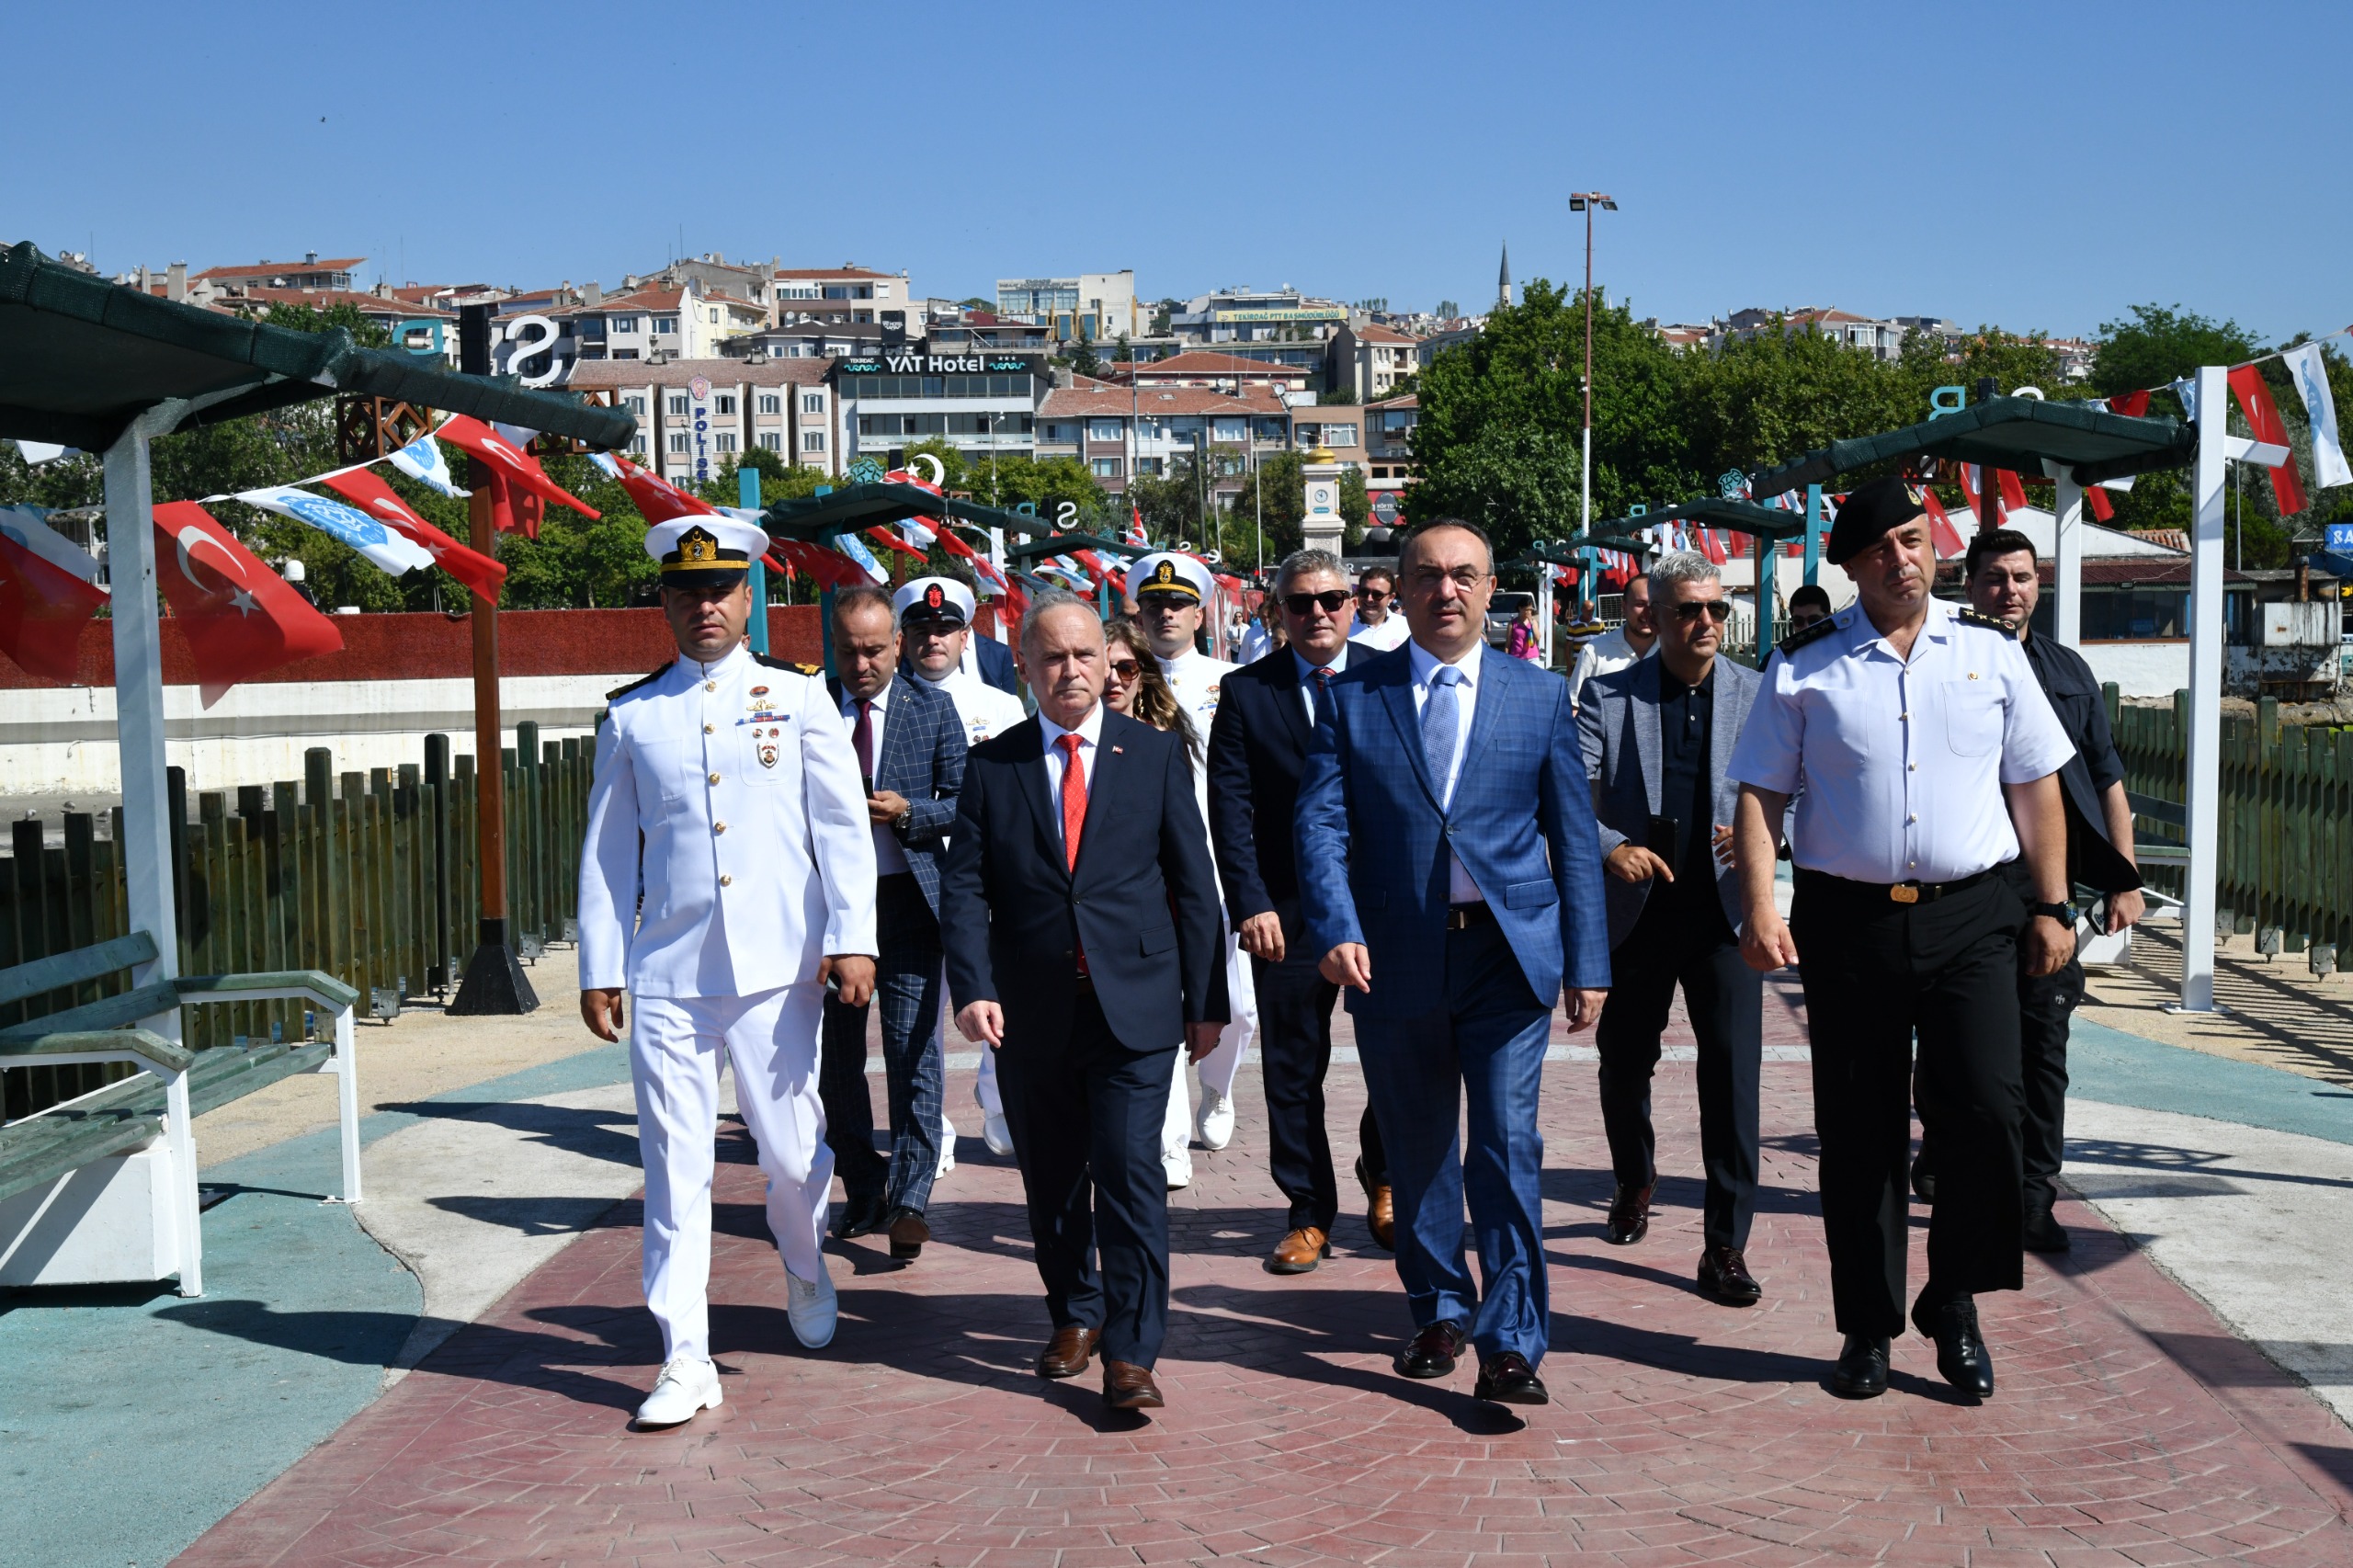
239	617
657	500
2263	416
48	590
520	468
1946	537
378	500
827	568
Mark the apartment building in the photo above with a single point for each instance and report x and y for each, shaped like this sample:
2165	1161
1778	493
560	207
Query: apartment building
646	323
848	293
693	415
983	404
1217	371
1120	430
1099	307
1388	430
311	272
1370	359
1256	316
1339	428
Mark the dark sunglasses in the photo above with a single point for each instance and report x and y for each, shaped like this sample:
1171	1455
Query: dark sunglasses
1333	601
1372	593
1717	610
1126	669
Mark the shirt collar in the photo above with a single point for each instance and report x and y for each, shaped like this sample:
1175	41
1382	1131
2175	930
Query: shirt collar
1307	670
1426	662
880	700
1090	729
730	664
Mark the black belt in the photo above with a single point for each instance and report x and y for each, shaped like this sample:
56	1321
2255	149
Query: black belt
1463	917
1896	892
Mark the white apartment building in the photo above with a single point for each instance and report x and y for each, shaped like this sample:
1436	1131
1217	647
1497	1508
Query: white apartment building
1117	430
693	415
1097	306
650	323
848	293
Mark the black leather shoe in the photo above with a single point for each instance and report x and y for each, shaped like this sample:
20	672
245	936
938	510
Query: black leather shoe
1508	1379
908	1232
2044	1232
1432	1352
1924	1179
1629	1214
1962	1356
861	1217
1862	1373
1723	1274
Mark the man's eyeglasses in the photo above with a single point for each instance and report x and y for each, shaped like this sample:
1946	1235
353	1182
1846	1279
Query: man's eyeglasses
1332	601
1126	669
1690	610
1466	578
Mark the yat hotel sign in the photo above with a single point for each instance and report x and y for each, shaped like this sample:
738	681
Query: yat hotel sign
938	365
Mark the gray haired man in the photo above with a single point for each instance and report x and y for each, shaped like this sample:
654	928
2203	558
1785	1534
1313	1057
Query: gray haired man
1658	734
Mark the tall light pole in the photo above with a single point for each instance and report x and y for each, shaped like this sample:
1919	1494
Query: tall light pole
1585	202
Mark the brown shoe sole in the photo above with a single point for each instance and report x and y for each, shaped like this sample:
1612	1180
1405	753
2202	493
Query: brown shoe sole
1282	1266
1134	1399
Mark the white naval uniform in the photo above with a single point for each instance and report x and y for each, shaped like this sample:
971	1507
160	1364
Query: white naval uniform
757	861
1195	678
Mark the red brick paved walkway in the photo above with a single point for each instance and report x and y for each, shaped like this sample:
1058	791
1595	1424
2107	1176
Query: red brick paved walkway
2130	1430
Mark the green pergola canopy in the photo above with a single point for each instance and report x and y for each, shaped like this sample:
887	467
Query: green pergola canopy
815	518
2017	433
1062	544
81	357
1741	516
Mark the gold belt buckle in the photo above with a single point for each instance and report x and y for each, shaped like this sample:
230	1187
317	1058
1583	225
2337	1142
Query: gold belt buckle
1904	892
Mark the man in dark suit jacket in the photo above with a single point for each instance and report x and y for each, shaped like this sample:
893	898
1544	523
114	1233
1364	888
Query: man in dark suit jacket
910	746
1266	718
1658	737
996	663
1083	947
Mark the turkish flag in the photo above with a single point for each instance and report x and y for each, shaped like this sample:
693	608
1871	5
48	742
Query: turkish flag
2096	499
381	501
2263	416
657	499
2133	405
512	462
885	538
1941	529
42	610
830	569
239	617
2013	490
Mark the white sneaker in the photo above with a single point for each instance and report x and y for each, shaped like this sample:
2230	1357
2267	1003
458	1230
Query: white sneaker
1217	1119
1179	1168
997	1136
811	1308
685	1387
947	1148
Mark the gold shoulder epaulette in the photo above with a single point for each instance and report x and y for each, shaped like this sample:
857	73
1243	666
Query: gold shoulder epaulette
1991	623
790	664
625	690
1805	634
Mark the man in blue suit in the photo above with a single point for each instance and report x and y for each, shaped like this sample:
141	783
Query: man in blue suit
1476	902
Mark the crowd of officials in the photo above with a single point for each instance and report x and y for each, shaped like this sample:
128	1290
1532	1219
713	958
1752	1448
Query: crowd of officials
1113	890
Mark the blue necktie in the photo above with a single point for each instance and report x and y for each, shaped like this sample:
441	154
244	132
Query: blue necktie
1441	715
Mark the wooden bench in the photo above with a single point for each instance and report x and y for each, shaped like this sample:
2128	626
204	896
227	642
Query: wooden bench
102	1188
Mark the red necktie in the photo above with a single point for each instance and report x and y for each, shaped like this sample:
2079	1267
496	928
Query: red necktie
1073	821
862	737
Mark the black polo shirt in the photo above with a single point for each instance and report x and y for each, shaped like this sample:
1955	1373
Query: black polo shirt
1686	722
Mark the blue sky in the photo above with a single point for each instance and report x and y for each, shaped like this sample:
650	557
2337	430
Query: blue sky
2035	166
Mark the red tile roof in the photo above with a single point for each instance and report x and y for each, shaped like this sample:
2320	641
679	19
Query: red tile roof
830	272
595	374
271	269
644	299
1373	332
325	299
1079	403
1208	362
1410	400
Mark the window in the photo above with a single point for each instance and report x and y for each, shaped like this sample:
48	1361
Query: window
714	315
2135	615
1106	468
677	443
622	323
771	404
666	324
772	439
1152	466
723	441
637	446
724	403
813	440
1229	430
624	353
635	404
813	402
1103	430
1339	435
678	404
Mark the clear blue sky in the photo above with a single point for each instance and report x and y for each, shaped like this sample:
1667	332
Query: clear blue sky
2036	165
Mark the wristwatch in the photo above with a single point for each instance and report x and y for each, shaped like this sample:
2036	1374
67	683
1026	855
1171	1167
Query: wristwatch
2062	913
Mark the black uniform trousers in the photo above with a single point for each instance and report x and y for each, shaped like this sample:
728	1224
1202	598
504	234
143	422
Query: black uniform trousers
908	983
1876	973
1725	999
1085	1112
1295	1005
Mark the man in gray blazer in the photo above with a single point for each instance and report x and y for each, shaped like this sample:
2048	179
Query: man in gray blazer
1657	737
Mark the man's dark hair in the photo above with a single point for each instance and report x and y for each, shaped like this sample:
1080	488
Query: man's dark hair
1474	530
1383	573
2000	542
1812	595
849	599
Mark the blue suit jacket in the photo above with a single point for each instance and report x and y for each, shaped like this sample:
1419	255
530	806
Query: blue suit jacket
923	761
1521	821
995	662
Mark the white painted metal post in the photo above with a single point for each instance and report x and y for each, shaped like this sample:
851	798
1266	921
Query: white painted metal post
1544	610
2067	559
346	1090
2204	796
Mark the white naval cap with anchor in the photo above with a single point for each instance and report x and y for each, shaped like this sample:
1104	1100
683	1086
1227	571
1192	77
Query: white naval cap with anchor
691	550
934	599
1165	571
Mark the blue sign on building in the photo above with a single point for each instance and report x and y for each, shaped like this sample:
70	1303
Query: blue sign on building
2340	537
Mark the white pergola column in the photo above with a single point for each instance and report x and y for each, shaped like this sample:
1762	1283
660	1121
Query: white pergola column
2067	558
2204	795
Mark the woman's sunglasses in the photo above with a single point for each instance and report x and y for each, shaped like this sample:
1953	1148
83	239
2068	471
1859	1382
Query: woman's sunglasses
1333	602
1126	669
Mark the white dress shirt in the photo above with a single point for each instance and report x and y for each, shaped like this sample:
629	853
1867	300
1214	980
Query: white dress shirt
1383	637
1603	655
1460	888
1257	643
890	856
1902	760
1090	732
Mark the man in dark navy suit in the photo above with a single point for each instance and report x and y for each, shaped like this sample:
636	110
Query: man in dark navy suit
1083	948
1259	742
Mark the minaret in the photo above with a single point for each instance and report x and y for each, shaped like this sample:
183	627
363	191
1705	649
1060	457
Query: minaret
1502	279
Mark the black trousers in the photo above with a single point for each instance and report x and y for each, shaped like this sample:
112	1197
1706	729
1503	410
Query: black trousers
1725	999
907	982
1876	974
1295	1005
1084	1113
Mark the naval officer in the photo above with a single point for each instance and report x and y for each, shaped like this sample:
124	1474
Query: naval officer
1172	593
727	877
1929	757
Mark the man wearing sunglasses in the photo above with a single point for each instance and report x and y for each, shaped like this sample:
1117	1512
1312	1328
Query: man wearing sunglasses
1257	749
1380	624
1658	736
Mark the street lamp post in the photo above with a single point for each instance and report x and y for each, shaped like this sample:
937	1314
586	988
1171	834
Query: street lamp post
1585	202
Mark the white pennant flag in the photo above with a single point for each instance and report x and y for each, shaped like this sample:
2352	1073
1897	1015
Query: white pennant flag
395	552
28	526
2186	389
422	460
2304	362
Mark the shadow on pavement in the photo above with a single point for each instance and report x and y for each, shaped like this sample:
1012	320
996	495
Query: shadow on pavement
575	1131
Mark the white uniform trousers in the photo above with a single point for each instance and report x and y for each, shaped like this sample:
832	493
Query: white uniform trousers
1217	1068
675	1044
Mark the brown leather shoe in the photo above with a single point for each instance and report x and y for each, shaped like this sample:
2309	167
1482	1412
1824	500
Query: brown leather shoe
1127	1386
1629	1214
908	1232
1066	1355
1380	1210
1300	1251
1723	1275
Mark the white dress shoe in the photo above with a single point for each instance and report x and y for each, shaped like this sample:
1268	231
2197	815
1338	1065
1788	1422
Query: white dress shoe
685	1387
811	1308
997	1136
1217	1119
1178	1169
947	1148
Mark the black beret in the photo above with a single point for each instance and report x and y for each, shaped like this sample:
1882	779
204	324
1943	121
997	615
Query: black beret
1871	511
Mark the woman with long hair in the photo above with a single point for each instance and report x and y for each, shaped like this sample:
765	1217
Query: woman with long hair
1135	687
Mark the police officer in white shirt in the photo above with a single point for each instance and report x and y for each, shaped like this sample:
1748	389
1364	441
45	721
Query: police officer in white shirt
1170	591
934	647
757	877
1928	757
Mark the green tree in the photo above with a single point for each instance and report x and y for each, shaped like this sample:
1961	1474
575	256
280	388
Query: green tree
1083	359
1336	397
2146	348
1122	352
